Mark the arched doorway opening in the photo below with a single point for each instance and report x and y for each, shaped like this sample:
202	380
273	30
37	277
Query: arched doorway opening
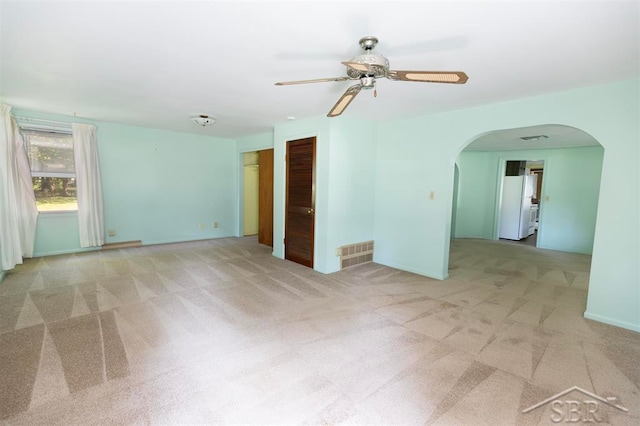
564	210
569	190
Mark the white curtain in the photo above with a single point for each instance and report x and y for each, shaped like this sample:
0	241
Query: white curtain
18	211
89	185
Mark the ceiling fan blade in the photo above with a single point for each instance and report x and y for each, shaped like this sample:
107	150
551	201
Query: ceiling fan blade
357	66
317	80
455	77
344	100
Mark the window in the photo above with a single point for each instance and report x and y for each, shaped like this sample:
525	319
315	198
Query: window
52	169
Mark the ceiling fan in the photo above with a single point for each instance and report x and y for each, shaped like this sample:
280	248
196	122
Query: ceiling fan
369	66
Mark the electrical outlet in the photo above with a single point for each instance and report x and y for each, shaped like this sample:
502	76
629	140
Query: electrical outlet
215	224
202	226
112	232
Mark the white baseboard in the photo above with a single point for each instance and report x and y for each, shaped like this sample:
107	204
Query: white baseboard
428	274
611	321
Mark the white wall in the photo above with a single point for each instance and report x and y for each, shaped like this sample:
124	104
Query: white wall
416	156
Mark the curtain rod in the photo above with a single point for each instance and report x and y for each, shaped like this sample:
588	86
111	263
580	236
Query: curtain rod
64	123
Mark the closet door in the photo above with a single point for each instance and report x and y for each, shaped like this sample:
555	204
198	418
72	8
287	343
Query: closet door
300	204
265	197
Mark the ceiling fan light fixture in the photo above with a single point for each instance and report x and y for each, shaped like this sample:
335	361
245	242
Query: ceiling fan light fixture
204	120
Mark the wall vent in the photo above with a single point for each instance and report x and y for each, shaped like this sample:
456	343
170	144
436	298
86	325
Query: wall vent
355	254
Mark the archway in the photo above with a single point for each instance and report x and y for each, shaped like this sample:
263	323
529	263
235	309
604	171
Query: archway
570	189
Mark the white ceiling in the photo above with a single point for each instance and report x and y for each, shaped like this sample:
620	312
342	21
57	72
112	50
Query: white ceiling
557	136
157	64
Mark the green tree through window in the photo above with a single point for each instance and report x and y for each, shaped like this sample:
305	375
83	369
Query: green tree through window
52	170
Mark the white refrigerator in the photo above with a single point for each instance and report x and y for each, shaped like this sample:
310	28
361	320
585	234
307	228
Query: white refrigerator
515	211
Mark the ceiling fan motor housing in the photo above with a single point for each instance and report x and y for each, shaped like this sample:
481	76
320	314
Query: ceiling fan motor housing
378	65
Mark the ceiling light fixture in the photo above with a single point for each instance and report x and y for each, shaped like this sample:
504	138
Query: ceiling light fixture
534	138
204	120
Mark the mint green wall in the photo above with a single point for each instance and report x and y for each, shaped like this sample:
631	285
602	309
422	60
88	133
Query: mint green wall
2	272
454	201
172	181
571	180
351	185
57	233
345	184
255	142
292	130
477	174
412	231
158	187
573	187
417	155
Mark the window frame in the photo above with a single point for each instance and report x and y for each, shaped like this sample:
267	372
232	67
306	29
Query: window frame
41	130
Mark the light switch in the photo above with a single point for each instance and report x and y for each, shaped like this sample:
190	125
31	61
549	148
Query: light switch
432	195
547	198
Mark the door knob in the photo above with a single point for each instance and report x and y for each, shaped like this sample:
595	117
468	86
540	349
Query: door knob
311	211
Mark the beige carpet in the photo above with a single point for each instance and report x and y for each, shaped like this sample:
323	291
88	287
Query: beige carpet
222	332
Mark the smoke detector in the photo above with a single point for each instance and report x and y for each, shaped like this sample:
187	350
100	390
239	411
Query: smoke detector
204	120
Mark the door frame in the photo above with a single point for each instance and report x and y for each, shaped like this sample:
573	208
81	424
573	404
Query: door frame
502	168
239	194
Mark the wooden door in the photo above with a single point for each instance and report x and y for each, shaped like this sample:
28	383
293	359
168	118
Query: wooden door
300	203
265	197
539	173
